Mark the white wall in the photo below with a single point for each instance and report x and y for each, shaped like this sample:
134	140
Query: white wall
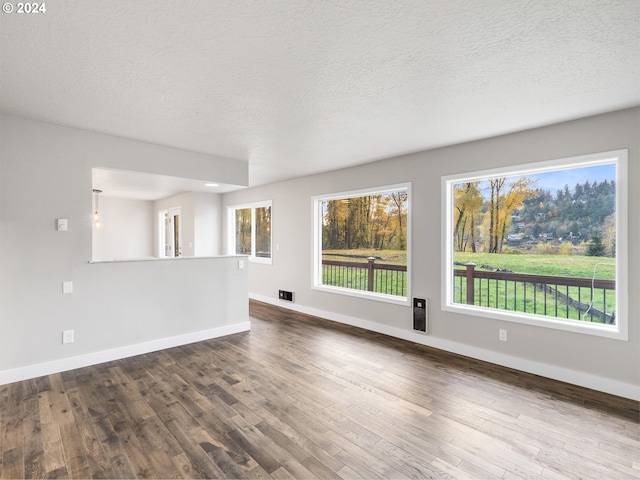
606	364
201	222
208	220
126	229
116	308
185	202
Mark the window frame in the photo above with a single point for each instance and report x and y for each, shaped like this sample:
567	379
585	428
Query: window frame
620	329
316	252
231	224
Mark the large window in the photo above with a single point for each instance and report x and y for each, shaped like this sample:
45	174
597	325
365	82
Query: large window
250	231
541	244
362	243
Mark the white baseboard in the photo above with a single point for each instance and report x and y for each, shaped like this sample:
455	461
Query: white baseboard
574	377
64	364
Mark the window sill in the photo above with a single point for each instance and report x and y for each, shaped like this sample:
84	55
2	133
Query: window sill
575	326
160	259
379	297
264	261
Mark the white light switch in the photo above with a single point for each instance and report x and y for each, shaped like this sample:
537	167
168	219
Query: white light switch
240	264
62	224
67	287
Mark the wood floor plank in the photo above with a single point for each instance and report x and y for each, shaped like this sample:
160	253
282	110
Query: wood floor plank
317	444
451	471
201	464
222	459
12	417
420	444
95	438
302	397
74	455
50	424
361	464
33	443
197	413
347	472
4	399
13	463
289	431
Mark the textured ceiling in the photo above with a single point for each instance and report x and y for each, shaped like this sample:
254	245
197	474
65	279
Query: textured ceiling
298	87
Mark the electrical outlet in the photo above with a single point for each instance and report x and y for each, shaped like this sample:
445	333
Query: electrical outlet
67	336
63	225
502	335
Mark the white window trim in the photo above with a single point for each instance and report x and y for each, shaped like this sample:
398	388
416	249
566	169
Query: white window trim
618	331
316	257
231	230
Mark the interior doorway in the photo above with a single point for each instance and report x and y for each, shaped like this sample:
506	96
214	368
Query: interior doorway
170	232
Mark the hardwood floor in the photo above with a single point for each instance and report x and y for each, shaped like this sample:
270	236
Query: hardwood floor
301	397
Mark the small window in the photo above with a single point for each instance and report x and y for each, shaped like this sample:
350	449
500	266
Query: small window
362	243
250	231
542	244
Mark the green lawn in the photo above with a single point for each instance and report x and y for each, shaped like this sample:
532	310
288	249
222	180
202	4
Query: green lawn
395	257
558	265
520	297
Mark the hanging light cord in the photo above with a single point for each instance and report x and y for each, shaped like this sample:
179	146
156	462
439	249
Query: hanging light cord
96	214
593	286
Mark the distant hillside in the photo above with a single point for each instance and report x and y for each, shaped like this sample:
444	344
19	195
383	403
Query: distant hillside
576	214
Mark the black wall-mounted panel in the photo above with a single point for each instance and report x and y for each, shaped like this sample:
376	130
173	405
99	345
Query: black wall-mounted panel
420	314
285	295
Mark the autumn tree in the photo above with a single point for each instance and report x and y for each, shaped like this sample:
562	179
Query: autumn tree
609	235
380	222
400	202
502	205
519	191
243	231
371	221
495	200
263	231
467	204
335	224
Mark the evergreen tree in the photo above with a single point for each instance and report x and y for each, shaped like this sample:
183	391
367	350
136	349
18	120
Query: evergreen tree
596	246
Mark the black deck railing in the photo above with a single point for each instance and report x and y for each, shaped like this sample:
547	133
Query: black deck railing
563	297
384	278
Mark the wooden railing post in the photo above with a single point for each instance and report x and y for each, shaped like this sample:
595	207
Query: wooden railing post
370	274
470	283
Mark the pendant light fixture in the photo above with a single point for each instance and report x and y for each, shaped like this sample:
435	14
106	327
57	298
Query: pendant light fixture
96	214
